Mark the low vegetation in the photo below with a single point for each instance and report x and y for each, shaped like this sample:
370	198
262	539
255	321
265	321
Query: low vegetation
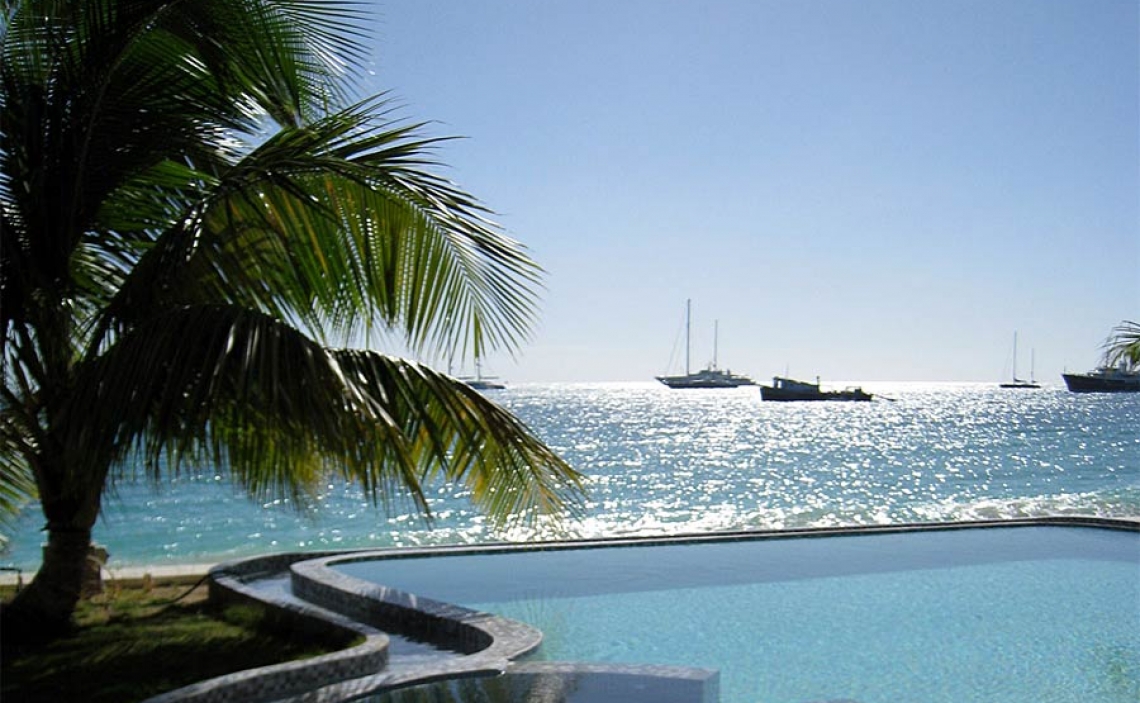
133	642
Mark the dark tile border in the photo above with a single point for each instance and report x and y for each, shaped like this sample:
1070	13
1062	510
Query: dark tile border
230	584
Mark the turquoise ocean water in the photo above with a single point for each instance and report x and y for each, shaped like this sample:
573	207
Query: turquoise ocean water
659	461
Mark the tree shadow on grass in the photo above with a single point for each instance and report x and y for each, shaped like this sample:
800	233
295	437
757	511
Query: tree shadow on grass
133	651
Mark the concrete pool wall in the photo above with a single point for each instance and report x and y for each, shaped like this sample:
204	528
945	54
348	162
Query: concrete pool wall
405	639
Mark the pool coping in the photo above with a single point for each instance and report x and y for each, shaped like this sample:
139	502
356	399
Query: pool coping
333	604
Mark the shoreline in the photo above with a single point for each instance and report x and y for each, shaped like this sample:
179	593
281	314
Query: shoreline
192	573
166	574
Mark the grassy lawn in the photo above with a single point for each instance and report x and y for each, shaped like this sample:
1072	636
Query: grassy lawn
134	642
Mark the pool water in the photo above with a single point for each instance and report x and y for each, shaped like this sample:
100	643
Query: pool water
999	614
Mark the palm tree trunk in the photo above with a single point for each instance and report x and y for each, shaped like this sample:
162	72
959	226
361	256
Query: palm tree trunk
50	599
44	609
69	480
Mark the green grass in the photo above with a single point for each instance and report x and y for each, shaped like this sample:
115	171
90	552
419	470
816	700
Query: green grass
134	642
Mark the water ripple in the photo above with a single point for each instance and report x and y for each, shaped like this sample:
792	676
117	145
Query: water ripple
658	461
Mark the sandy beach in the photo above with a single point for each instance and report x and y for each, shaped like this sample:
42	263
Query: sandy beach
185	573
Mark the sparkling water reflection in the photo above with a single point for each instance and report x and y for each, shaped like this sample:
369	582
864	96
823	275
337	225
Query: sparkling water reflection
722	460
659	461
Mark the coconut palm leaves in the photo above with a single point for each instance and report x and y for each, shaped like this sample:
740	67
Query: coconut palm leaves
193	222
1123	346
285	412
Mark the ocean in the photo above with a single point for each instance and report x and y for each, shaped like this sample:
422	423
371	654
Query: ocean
660	461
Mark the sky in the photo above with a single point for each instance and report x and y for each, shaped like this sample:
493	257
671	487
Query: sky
873	190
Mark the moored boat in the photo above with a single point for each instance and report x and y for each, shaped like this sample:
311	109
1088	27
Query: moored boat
1020	382
791	389
1104	379
482	383
709	377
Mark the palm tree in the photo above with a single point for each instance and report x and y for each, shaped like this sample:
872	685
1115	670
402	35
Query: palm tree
195	218
1123	345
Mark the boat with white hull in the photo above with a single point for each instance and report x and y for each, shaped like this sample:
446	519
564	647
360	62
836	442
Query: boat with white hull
709	377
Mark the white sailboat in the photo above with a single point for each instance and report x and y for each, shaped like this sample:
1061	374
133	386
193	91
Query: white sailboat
481	382
478	381
709	377
1018	382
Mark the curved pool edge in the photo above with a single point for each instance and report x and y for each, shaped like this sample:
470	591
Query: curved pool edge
231	583
334	603
485	636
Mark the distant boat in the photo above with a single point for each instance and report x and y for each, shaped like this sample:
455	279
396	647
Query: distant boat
1017	382
710	377
480	382
1104	379
790	389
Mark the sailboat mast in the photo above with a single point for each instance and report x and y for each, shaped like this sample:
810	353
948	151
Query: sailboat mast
1015	356
716	337
688	320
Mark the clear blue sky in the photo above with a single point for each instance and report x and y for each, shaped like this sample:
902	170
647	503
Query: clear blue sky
859	190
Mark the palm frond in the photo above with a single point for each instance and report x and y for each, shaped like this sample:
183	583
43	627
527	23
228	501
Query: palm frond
1123	345
340	224
99	92
455	434
246	391
294	58
17	483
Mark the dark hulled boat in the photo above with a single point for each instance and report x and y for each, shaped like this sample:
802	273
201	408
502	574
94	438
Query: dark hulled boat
790	389
1016	382
1105	379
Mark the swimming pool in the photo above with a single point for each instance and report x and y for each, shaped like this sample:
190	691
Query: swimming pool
1000	614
